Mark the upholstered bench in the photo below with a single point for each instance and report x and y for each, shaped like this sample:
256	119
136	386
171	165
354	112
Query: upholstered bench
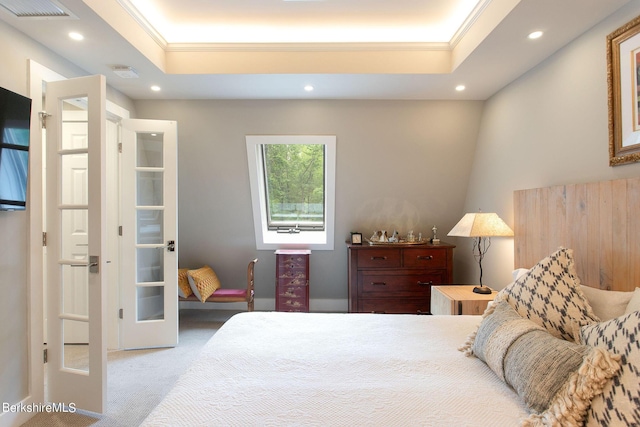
203	285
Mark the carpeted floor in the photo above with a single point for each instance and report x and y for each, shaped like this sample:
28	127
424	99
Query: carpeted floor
138	379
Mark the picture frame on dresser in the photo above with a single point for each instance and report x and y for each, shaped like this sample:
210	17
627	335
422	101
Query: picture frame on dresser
623	78
356	238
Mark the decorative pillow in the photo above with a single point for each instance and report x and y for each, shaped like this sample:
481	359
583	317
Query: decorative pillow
634	303
556	379
519	272
619	402
184	288
607	304
204	282
549	294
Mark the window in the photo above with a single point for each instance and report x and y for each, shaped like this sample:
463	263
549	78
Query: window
292	190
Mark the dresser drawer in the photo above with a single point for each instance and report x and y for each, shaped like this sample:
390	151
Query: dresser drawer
394	306
390	283
292	262
292	292
293	305
424	258
292	298
383	258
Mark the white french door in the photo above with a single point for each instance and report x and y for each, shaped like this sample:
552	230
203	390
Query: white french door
149	235
76	218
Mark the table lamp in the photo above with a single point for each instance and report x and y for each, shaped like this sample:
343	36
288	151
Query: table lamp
481	226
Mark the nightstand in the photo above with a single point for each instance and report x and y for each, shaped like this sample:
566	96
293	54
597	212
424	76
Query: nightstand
459	299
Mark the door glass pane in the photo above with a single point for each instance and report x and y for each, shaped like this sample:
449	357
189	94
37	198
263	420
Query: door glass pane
150	265
149	225
149	188
74	124
75	237
149	151
150	302
75	289
76	344
75	179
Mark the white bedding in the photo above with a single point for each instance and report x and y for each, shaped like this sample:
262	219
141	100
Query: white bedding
278	369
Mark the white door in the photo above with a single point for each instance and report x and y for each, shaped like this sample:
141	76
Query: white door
149	235
76	243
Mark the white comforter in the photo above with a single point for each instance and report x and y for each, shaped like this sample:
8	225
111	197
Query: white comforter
279	369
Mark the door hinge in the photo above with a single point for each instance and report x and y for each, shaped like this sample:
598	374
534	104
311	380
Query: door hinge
45	356
44	238
119	147
121	313
119	230
43	118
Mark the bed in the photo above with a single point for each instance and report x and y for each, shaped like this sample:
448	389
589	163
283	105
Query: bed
552	350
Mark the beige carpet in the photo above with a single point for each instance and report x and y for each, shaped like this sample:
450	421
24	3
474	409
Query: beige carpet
138	379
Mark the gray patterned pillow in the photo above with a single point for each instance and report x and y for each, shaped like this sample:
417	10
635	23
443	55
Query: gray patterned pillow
555	378
619	403
549	294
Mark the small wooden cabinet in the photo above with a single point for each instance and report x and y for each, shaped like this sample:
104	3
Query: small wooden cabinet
292	280
459	299
397	278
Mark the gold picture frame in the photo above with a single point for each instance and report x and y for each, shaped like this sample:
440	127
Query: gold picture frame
623	78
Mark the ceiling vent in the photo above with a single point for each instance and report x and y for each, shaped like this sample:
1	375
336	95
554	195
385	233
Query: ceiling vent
125	72
38	9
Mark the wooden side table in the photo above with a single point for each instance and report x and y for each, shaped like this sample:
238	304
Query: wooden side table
292	280
459	299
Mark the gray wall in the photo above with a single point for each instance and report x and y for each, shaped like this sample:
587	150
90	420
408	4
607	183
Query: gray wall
400	164
549	127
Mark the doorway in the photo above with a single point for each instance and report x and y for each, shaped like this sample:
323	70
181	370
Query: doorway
39	251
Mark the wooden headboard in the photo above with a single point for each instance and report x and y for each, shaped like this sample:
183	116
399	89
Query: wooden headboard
599	221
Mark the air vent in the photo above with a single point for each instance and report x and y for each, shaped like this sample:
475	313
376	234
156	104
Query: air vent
39	9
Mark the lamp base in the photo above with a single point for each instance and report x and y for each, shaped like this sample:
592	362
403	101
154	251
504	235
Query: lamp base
482	290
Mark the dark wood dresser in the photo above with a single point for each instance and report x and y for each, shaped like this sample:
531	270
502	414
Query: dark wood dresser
292	280
397	278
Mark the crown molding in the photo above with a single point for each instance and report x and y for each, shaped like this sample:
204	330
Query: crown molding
306	47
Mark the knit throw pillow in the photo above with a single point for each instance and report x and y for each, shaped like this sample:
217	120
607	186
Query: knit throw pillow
204	282
557	379
184	288
619	404
549	295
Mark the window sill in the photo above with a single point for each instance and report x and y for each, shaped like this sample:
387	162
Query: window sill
317	240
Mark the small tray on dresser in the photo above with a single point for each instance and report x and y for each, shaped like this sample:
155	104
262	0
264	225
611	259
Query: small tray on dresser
402	243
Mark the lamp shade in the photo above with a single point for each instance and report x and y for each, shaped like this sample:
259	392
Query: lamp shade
481	225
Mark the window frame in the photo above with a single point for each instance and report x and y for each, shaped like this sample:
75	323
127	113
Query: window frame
308	239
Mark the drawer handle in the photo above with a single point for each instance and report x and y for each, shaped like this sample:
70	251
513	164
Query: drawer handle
378	284
429	283
378	258
426	257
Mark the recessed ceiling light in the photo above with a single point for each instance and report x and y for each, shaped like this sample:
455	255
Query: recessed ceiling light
460	88
76	36
155	88
535	35
308	88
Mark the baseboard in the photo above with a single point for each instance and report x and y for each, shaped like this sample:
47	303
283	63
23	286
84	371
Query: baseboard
269	304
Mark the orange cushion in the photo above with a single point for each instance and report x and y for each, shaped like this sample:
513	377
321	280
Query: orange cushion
204	282
184	288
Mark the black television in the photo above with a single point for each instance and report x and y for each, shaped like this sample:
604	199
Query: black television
15	122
